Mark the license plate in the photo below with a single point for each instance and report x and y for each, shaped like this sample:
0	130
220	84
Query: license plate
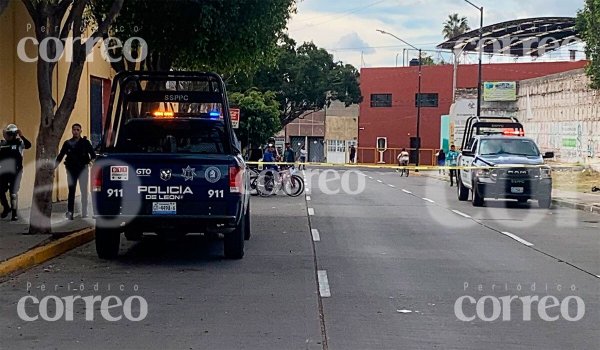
516	190
169	208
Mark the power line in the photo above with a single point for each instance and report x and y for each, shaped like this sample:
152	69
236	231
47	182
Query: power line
337	17
352	10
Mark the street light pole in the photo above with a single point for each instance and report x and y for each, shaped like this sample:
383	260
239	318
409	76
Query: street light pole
480	82
418	148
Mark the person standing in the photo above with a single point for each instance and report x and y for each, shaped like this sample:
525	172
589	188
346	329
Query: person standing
289	156
11	163
451	162
303	154
352	154
79	153
441	161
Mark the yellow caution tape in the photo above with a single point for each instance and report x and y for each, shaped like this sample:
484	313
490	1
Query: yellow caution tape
409	167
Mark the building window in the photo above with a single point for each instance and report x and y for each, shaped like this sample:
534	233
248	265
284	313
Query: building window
381	100
427	100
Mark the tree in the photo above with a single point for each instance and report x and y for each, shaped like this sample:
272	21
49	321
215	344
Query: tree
224	36
3	5
58	19
455	26
259	117
427	60
304	78
588	22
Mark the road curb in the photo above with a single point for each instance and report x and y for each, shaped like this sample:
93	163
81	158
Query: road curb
38	255
590	208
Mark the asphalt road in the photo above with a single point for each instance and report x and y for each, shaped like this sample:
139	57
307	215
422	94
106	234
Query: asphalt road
380	269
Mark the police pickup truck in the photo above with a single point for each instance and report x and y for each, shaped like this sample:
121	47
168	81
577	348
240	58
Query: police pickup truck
169	163
499	162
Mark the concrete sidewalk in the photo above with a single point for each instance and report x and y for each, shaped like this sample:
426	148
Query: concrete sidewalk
13	242
570	199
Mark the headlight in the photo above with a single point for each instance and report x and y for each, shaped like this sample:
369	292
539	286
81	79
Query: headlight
483	173
545	173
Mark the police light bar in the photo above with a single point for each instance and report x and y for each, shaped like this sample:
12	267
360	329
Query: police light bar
163	114
513	132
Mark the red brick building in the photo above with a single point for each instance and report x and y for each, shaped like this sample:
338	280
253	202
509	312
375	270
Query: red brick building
389	105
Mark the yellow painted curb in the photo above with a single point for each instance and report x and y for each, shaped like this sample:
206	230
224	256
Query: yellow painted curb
46	252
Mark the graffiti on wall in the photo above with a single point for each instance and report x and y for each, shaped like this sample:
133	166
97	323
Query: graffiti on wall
573	141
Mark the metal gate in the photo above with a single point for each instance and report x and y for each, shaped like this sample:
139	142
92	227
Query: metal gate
316	149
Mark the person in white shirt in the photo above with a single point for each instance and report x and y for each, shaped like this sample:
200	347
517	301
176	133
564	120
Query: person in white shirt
303	154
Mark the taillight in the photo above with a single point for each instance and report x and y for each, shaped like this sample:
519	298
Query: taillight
235	179
97	180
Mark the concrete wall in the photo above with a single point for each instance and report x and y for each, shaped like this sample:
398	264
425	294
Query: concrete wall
562	114
341	122
19	101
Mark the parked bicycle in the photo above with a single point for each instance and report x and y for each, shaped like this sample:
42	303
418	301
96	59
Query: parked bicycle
271	182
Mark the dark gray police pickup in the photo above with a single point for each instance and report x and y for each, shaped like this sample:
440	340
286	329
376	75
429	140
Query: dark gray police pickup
169	163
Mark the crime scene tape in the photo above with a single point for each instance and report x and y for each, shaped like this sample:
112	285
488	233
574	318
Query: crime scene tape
409	167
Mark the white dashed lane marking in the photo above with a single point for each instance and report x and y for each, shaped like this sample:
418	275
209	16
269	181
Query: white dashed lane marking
392	186
461	214
428	200
380	181
307	198
407	191
324	290
518	239
311	211
315	235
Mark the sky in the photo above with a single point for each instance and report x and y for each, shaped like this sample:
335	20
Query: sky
347	28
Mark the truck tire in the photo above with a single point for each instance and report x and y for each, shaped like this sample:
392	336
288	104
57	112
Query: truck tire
463	192
477	198
545	203
107	243
247	232
233	243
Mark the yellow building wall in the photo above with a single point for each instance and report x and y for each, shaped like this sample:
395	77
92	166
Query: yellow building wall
19	102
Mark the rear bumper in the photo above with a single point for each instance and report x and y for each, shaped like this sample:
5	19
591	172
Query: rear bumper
155	223
531	189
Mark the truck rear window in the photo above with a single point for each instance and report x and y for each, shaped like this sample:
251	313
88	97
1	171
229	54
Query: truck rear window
173	136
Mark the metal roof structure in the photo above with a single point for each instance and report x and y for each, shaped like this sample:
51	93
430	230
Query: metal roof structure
523	37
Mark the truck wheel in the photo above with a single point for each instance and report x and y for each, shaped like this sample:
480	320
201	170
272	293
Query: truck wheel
233	244
545	203
477	198
107	243
247	232
463	192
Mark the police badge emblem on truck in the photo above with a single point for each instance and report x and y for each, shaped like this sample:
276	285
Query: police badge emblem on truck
165	174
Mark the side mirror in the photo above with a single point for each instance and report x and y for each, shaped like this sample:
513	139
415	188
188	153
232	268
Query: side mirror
548	155
468	153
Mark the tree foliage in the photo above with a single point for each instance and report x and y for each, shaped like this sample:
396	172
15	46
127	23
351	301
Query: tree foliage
304	78
588	22
455	26
259	117
220	35
59	19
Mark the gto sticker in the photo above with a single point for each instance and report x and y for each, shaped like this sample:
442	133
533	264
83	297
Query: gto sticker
119	173
144	172
212	174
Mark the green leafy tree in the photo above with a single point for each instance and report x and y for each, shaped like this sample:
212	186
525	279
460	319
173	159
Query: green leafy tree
58	19
455	26
224	35
259	117
304	78
588	22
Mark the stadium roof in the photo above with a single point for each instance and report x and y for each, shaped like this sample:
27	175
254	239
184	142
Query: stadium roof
523	37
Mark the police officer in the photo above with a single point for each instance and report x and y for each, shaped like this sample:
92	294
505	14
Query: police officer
11	163
79	153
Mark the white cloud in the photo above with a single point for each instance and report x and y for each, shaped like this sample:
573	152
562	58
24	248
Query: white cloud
348	28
